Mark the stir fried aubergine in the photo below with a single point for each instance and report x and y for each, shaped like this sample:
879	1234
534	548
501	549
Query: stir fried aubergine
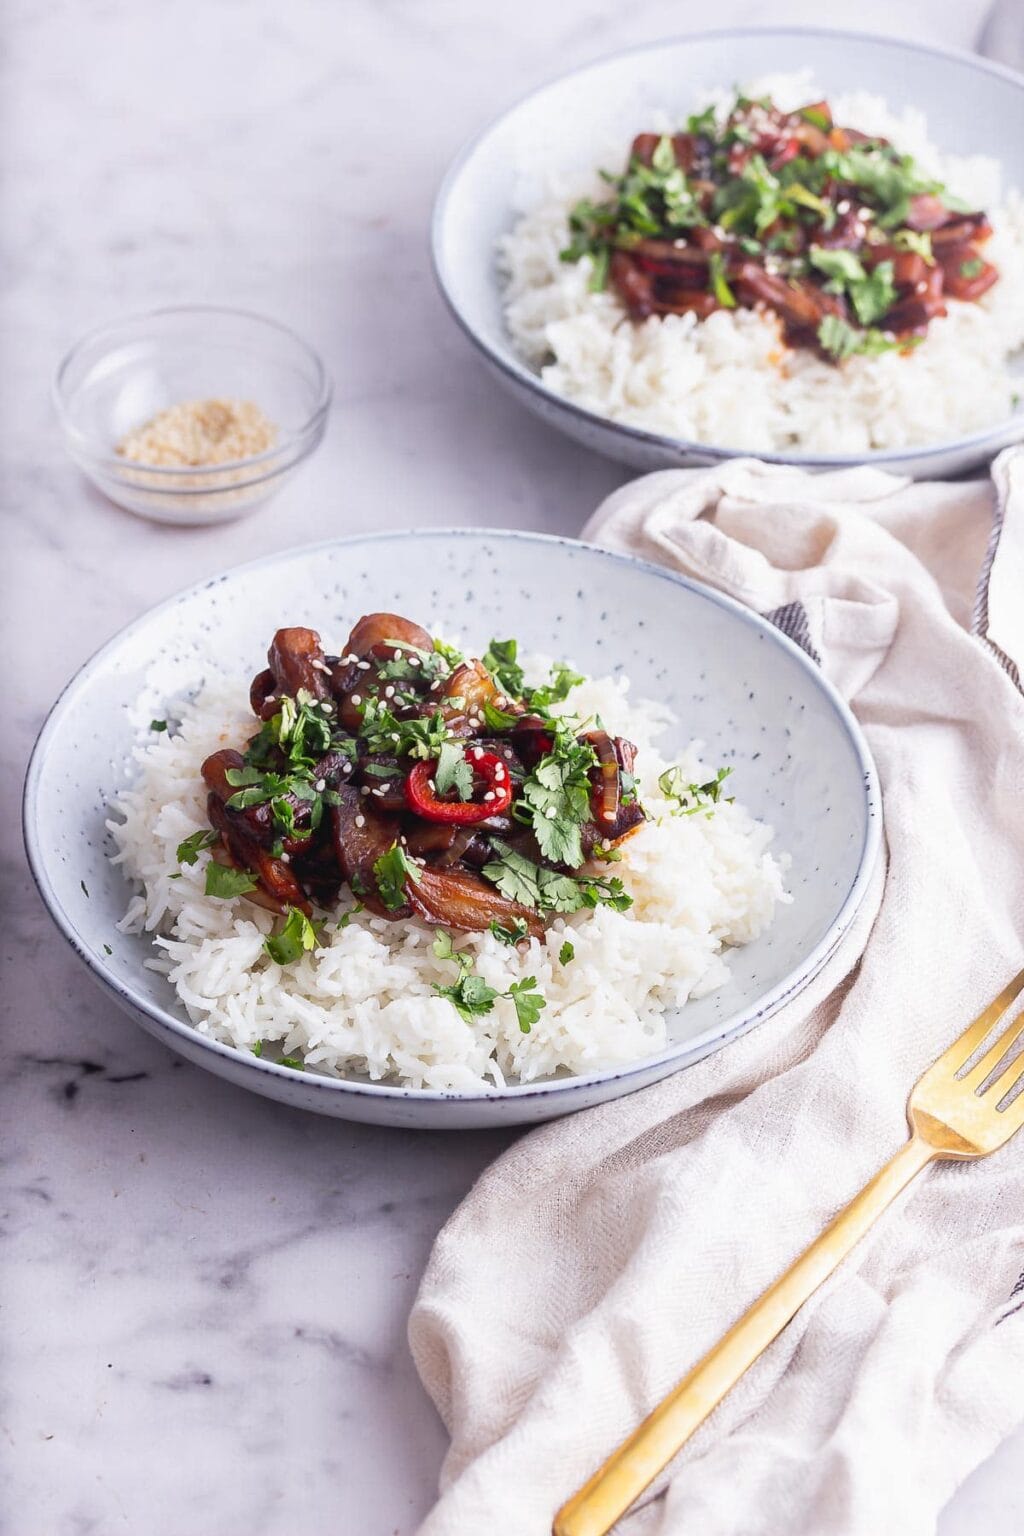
838	233
426	783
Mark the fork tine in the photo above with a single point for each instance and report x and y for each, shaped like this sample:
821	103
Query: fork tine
994	1055
1013	1115
964	1047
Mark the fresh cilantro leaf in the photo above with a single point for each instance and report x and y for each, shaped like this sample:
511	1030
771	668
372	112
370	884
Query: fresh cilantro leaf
391	871
841	340
817	117
842	266
531	885
528	1002
567	952
453	657
918	241
972	267
257	1049
158	725
703	124
193	845
691	798
556	799
607	855
875	296
500	661
223	881
453	771
510	936
293	1062
469	995
297	936
420	737
346	917
496	719
515	876
719	286
557	689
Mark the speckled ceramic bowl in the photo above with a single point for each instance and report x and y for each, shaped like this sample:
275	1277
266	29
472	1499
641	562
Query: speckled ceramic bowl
975	108
734	681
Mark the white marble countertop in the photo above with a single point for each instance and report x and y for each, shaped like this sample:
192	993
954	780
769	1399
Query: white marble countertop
206	1294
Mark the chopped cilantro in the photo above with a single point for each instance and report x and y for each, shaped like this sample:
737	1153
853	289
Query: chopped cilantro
500	661
558	688
223	881
293	1062
346	917
453	657
510	936
841	340
107	949
471	996
421	737
691	798
496	719
918	241
391	871
297	936
158	725
719	286
521	880
453	771
972	267
527	1001
556	799
817	117
257	1049
567	952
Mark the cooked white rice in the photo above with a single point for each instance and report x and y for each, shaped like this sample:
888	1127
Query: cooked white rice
730	380
363	1000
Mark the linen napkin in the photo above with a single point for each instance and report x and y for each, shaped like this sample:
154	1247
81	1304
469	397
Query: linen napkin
603	1254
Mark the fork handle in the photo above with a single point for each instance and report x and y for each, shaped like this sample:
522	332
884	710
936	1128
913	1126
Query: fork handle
594	1509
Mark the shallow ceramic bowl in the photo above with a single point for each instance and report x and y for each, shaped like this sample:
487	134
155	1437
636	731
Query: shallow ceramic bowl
974	107
735	682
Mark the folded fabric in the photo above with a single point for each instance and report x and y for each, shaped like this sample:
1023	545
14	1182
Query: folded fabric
600	1257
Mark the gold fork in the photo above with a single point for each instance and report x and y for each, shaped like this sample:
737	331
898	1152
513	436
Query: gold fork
954	1112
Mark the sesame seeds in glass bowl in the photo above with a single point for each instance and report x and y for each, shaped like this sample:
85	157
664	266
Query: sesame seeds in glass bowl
191	415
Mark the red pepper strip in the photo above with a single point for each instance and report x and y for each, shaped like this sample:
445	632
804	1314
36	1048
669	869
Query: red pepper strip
487	768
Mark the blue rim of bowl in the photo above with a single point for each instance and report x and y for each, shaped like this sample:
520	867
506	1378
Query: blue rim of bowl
678	1055
507	363
295	444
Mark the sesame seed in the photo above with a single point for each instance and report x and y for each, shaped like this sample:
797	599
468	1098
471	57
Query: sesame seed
431	784
360	821
500	700
396	655
199	432
357	698
435	685
489	795
321	785
346	768
478	753
389	692
286	858
607	815
395	736
327	707
384	789
414	661
321	666
499	774
364	789
363	666
550	813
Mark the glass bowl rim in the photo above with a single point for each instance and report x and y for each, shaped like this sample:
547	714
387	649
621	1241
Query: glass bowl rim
178	476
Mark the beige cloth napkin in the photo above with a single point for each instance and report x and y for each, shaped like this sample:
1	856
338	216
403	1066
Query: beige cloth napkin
596	1260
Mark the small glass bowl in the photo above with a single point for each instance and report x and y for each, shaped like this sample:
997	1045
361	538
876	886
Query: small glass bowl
121	375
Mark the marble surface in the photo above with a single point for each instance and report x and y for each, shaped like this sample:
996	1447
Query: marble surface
205	1294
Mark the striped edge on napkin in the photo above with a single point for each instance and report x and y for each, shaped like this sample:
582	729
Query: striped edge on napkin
602	1255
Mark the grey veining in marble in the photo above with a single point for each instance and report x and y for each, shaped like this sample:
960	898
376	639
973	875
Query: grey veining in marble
204	1295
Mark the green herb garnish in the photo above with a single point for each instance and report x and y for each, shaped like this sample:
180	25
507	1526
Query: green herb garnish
691	798
510	936
567	952
223	881
189	850
391	872
298	935
158	725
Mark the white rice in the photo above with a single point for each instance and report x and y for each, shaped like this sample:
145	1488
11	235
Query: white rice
730	380
363	1000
